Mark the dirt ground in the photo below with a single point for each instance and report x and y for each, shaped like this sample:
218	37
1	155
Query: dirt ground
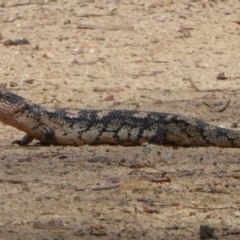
161	56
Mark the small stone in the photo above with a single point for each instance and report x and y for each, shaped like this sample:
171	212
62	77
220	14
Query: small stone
98	159
15	42
7	43
67	22
29	81
234	125
79	232
3	84
13	84
48	55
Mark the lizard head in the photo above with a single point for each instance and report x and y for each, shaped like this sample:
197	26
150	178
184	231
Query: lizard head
14	111
10	104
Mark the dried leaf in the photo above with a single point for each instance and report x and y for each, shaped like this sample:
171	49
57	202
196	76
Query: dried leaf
51	225
149	209
97	230
221	76
109	98
141	164
238	22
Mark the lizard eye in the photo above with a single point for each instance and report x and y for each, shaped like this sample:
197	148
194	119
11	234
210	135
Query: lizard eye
17	111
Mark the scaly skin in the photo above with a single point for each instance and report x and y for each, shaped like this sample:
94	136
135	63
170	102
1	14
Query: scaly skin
123	127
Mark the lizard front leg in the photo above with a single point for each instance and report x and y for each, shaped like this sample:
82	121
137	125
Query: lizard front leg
45	135
24	141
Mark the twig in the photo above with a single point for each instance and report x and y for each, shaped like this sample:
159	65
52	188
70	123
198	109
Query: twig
219	109
169	101
98	188
174	227
213	191
156	100
103	27
212	208
155	180
236	232
154	73
88	63
193	85
199	90
6	224
39	225
21	4
12	181
181	171
228	176
97	15
154	61
199	208
140	164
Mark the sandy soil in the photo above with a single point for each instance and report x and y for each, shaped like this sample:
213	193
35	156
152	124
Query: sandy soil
121	54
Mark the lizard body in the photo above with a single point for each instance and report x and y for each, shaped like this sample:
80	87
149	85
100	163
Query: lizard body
122	127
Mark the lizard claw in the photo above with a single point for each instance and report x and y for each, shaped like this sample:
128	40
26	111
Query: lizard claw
18	142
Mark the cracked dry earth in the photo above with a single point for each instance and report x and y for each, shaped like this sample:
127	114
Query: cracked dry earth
125	54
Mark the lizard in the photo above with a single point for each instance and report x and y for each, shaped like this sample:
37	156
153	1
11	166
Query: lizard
56	126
